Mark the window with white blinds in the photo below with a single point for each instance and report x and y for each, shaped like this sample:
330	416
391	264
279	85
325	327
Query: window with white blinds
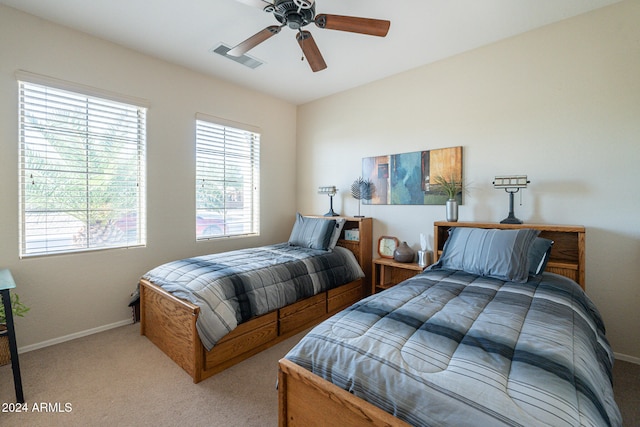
82	171
227	181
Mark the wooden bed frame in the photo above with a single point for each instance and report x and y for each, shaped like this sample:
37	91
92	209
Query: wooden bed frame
306	399
170	322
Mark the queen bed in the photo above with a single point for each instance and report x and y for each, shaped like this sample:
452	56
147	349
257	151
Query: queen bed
210	312
488	335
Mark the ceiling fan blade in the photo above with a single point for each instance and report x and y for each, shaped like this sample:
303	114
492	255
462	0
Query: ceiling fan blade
372	27
254	41
256	3
311	51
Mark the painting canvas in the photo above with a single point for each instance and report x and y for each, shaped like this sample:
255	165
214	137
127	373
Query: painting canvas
409	178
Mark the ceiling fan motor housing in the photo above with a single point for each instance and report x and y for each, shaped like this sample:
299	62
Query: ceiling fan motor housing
295	16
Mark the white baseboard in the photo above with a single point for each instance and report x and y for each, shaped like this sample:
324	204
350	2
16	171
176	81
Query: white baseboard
70	337
626	358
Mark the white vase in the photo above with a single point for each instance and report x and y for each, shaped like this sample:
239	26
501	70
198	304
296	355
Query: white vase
452	210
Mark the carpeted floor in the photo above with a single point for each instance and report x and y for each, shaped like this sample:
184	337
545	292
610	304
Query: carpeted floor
626	387
118	378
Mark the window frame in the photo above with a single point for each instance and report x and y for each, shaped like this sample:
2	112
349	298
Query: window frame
208	131
130	222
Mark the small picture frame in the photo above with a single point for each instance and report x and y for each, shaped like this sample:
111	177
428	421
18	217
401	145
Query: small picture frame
386	246
352	235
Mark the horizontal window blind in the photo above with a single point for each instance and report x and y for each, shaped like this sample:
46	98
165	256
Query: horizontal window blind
227	181
82	171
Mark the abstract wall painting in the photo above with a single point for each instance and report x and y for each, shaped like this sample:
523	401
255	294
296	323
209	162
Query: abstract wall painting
409	178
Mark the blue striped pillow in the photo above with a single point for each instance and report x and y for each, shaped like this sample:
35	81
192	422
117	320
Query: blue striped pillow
314	233
503	254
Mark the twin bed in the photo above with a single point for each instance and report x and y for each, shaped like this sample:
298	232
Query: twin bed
497	332
208	313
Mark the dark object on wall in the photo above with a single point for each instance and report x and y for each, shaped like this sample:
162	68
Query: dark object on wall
134	303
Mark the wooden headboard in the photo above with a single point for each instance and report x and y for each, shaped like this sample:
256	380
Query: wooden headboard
567	256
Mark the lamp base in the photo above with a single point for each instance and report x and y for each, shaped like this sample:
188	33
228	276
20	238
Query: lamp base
511	220
331	212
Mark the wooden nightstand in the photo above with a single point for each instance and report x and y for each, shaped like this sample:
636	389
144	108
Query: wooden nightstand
387	273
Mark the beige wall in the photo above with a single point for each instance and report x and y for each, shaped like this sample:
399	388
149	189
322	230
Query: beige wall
71	295
560	104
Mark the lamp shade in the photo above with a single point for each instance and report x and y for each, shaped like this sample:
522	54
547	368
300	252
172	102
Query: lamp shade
513	181
330	190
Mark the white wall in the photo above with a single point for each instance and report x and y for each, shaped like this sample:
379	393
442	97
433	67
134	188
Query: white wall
560	104
71	294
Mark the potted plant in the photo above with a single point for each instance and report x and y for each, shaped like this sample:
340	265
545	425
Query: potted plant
450	187
18	309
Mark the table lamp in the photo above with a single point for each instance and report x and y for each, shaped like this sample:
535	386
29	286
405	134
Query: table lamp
511	184
331	191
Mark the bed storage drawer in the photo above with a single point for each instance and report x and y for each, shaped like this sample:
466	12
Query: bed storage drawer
296	316
245	337
342	297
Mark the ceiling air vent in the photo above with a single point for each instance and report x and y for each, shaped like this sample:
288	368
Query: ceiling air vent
244	59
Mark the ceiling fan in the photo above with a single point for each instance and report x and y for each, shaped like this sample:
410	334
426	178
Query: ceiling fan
297	14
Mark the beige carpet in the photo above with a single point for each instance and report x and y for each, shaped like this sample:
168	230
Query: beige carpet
118	378
626	387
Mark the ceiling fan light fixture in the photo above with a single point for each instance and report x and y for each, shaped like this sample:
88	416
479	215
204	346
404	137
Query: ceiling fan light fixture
295	21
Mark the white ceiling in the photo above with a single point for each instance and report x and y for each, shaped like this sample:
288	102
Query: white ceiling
422	31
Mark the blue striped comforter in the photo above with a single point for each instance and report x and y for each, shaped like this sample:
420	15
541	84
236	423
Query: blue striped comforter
447	348
232	287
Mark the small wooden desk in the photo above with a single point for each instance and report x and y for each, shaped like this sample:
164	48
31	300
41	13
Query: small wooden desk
6	284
